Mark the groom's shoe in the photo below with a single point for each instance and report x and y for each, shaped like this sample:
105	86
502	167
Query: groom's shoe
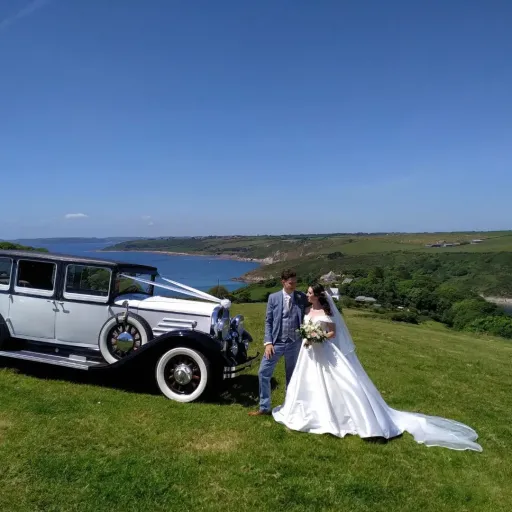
260	413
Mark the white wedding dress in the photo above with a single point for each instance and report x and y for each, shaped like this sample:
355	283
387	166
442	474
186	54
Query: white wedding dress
330	393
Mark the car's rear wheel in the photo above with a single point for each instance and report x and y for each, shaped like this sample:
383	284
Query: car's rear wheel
183	374
119	338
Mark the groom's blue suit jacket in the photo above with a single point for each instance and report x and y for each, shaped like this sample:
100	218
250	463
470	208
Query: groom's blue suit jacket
274	316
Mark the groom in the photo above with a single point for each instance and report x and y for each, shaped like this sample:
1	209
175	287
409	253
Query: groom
285	313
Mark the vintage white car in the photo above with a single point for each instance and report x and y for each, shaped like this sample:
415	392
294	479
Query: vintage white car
99	315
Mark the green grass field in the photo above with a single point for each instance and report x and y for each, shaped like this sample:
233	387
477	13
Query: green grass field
76	446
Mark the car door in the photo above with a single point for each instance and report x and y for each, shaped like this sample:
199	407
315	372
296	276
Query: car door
5	281
32	306
83	308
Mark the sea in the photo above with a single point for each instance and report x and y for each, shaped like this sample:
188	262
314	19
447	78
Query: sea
200	272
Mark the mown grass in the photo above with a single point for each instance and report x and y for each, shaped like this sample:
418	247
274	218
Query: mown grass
68	445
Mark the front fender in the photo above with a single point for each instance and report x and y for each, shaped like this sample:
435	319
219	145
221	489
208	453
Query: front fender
145	357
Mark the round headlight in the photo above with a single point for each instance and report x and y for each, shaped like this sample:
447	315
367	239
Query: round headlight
237	324
222	328
220	323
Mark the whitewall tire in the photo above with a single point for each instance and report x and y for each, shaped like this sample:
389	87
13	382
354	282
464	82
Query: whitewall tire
183	374
111	343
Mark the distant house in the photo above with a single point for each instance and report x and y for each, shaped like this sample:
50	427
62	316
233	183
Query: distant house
335	293
477	241
443	244
330	277
347	280
367	300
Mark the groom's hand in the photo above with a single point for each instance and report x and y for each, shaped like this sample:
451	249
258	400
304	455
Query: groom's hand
269	351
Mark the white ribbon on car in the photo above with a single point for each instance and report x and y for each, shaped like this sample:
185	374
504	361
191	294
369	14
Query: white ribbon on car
182	288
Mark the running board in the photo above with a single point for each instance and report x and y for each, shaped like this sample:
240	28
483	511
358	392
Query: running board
72	361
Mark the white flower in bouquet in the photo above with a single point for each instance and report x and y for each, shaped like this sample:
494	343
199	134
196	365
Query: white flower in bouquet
311	333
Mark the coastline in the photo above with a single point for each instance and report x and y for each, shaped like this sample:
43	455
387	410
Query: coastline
264	261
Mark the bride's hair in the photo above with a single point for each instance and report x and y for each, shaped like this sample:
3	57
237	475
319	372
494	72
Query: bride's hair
320	292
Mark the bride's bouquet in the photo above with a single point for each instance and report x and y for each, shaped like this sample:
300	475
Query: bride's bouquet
311	333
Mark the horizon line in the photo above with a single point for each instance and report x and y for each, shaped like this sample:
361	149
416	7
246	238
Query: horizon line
353	233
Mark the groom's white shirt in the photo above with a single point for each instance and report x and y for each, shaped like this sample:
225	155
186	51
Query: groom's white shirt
287	297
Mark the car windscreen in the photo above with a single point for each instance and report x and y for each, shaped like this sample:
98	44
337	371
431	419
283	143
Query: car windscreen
125	284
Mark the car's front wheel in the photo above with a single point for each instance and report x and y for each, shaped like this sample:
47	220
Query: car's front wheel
183	374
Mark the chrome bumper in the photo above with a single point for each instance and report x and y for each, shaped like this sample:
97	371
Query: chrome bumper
230	372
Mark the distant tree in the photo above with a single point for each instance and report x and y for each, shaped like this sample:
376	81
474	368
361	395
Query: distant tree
219	291
376	273
348	302
244	296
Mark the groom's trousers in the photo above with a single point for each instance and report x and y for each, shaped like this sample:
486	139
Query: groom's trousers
290	350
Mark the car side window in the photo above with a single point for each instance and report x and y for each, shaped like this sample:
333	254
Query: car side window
37	277
84	282
5	273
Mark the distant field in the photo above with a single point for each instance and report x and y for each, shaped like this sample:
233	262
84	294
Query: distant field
67	445
294	247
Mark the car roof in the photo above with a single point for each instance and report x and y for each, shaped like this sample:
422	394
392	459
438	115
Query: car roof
51	256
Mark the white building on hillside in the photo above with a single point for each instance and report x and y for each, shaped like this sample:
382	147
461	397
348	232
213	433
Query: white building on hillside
335	293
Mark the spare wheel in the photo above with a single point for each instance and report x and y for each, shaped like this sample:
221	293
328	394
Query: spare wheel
120	337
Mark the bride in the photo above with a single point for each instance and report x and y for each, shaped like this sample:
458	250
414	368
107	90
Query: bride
330	392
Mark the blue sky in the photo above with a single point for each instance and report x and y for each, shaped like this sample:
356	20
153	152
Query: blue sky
162	117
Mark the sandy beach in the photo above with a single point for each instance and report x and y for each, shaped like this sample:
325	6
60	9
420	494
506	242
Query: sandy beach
232	257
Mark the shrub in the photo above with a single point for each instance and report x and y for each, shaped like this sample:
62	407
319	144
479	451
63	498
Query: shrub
347	302
405	316
497	325
466	311
243	296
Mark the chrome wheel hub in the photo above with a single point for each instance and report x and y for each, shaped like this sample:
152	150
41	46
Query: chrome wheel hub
123	339
125	342
183	374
